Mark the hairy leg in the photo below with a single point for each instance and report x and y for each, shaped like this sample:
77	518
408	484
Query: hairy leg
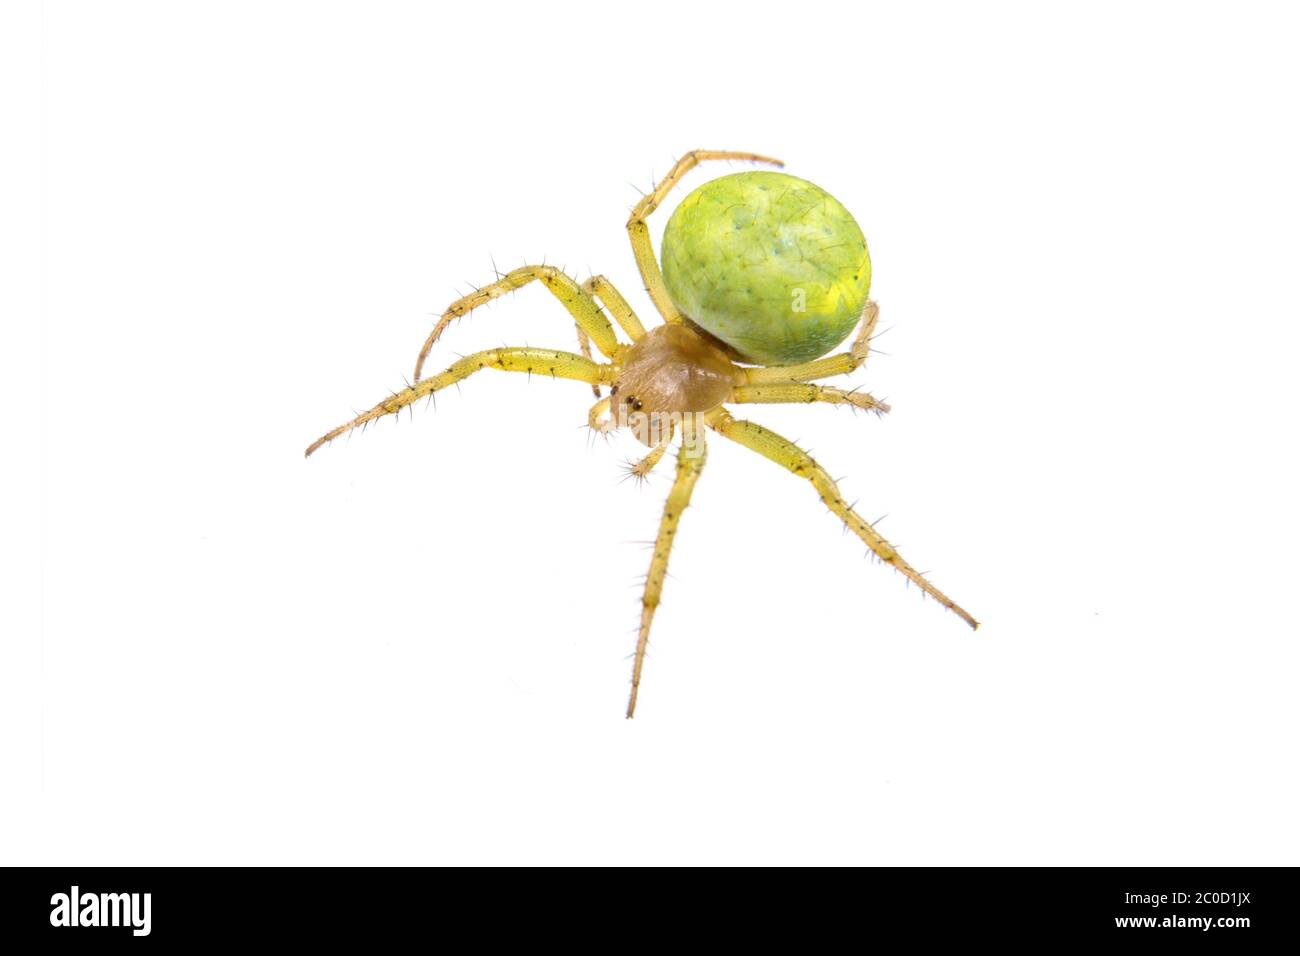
604	292
538	361
795	392
840	364
640	470
789	455
659	432
580	304
584	346
690	462
639	232
595	420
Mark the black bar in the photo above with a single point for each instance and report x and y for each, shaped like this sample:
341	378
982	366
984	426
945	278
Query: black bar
1225	907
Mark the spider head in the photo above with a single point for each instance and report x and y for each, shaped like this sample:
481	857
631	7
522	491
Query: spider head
671	370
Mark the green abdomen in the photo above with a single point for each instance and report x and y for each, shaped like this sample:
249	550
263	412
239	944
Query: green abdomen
770	264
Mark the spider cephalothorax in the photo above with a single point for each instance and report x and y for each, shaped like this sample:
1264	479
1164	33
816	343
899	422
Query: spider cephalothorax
763	274
673	368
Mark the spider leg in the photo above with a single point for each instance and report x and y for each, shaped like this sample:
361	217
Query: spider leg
603	291
640	470
584	346
602	426
840	364
639	232
795	392
657	430
572	296
539	361
789	455
690	462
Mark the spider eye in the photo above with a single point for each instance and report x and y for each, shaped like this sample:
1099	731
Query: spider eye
636	404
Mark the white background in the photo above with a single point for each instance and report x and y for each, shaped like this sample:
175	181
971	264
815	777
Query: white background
242	219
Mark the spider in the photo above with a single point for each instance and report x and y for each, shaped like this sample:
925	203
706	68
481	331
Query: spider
763	274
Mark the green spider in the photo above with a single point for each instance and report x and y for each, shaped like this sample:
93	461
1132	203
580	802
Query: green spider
763	273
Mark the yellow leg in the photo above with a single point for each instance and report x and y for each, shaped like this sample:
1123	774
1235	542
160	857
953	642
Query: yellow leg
794	392
690	462
603	290
639	470
538	361
840	364
580	304
584	346
598	424
639	232
660	431
789	455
